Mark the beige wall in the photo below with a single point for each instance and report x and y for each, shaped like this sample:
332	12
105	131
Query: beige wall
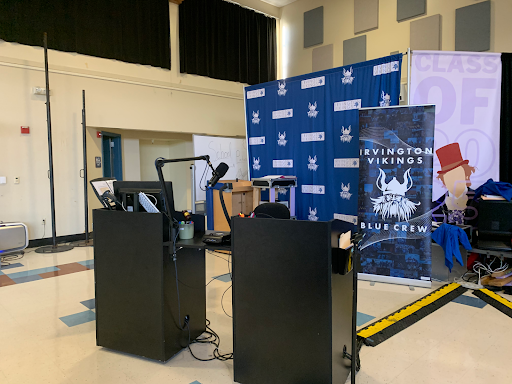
390	36
178	173
143	163
119	95
131	159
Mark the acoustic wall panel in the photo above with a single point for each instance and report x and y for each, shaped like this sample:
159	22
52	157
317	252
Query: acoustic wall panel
366	15
354	50
323	58
405	9
473	27
426	33
314	27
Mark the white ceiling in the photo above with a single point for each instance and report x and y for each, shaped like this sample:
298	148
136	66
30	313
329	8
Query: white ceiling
279	3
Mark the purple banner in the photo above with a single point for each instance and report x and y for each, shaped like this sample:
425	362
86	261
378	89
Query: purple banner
466	89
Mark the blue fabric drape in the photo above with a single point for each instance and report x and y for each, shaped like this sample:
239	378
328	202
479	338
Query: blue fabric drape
308	126
448	237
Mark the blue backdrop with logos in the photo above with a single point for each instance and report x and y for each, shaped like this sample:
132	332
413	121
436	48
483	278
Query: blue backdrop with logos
308	126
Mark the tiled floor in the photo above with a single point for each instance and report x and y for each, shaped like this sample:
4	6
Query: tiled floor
47	333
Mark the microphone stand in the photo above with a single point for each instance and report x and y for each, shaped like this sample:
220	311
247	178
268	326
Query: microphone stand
159	164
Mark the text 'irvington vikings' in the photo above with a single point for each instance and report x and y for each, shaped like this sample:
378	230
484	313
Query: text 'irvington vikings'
395	156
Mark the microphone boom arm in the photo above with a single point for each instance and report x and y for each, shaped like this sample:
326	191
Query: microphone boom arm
159	164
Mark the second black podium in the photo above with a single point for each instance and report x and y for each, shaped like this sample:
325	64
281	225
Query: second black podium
292	302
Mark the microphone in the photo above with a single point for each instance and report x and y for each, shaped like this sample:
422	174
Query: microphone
218	173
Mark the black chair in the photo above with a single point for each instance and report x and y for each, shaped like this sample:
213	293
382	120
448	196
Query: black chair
272	211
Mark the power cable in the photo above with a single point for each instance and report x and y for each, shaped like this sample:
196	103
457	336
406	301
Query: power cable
213	339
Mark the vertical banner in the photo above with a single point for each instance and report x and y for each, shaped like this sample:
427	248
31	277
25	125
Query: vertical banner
395	192
308	126
466	89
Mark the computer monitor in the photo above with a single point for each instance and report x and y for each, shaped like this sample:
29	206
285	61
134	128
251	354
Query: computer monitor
495	220
126	192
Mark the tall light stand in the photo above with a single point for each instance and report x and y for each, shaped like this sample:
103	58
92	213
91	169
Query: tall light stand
87	242
54	248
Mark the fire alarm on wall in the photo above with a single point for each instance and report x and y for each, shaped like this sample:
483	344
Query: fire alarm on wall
98	134
25	130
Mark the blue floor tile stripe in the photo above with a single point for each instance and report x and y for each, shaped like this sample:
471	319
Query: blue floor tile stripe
195	382
363	318
25	279
87	263
10	266
90	304
471	301
31	272
78	318
226	278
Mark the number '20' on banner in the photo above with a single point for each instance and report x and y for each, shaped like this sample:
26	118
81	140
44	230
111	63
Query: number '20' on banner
395	190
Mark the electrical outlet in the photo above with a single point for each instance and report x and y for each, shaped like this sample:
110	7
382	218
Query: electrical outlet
39	91
16	180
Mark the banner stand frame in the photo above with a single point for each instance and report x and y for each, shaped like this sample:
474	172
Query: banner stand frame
395	280
409	53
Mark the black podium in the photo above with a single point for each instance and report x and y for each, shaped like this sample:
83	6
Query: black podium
292	302
135	284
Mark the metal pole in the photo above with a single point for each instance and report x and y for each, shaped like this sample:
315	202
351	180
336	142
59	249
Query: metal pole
84	138
50	152
409	76
193	188
53	248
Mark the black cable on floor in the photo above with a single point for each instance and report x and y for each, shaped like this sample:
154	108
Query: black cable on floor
213	254
213	339
5	260
222	304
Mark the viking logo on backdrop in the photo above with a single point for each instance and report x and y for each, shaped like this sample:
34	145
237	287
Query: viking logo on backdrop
312	214
281	139
256	164
347	77
386	100
281	88
345	134
255	117
312	165
312	110
466	89
345	191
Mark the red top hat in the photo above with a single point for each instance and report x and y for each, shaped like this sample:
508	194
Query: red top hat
450	157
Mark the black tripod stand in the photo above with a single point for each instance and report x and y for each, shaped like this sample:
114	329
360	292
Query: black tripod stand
54	248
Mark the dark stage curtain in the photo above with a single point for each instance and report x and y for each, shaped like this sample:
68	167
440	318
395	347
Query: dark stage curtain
225	41
506	119
134	31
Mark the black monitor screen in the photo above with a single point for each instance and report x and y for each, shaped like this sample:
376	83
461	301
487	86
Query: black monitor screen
127	188
495	218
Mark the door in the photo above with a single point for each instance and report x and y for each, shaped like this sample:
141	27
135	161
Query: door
112	155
